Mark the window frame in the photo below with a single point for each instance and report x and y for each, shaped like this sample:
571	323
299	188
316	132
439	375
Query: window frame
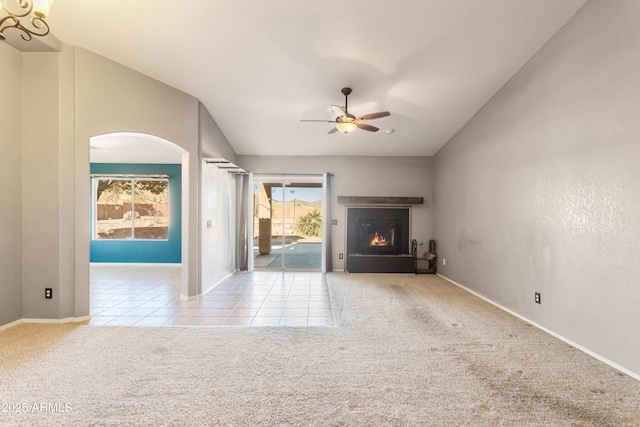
132	178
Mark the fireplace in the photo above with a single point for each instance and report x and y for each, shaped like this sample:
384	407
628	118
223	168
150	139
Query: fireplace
378	236
378	240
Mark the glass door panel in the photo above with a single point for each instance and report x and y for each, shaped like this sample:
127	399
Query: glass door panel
287	224
267	248
303	226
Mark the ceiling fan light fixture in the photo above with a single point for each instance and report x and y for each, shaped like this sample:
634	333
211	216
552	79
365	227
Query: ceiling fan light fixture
346	127
347	122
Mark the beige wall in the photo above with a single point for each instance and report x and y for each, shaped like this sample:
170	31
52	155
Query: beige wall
72	96
213	143
114	98
48	165
218	201
67	98
67	178
41	185
360	176
540	191
218	241
11	188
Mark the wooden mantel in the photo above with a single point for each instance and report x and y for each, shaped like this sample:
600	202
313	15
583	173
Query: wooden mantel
372	200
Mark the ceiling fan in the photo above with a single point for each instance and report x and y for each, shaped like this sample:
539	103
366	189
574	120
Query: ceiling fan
346	122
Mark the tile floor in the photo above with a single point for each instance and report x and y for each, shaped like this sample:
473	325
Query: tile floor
149	295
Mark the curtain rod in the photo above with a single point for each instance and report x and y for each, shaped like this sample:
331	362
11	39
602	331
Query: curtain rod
130	175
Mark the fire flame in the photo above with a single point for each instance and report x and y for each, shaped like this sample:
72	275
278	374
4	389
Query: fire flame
378	240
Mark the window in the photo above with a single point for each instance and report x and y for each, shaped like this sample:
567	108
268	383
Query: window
131	207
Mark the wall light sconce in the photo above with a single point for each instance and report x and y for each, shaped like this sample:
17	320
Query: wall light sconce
25	16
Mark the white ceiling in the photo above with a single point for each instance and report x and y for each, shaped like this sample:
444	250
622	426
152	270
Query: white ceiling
133	148
260	66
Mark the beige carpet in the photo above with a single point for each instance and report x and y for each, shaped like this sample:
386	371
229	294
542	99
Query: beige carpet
410	350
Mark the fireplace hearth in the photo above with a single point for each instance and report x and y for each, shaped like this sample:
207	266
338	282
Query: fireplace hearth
378	240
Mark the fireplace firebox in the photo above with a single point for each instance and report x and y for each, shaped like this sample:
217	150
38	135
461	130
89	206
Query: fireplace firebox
378	240
378	236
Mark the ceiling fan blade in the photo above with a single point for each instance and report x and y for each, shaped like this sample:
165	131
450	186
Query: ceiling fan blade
323	121
374	115
334	130
367	127
337	110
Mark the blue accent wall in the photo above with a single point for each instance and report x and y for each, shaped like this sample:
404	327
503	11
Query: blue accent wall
147	251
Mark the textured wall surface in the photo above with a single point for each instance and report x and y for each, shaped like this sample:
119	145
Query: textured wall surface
540	191
213	143
11	191
41	214
218	242
218	200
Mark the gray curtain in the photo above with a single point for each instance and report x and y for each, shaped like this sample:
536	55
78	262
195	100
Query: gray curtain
243	220
328	229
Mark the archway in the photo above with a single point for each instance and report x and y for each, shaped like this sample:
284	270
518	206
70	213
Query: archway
141	164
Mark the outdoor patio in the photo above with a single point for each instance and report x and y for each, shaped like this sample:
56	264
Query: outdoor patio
302	253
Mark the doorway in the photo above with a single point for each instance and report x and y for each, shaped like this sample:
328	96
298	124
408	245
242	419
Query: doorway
287	222
138	220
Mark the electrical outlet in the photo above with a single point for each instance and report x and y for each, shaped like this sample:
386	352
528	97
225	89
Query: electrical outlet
537	298
334	222
48	293
341	256
444	261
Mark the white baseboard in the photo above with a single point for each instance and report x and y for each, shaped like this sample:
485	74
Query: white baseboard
53	321
550	332
129	264
184	297
9	325
212	287
59	321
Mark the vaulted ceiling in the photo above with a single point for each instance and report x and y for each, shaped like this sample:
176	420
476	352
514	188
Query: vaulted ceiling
261	66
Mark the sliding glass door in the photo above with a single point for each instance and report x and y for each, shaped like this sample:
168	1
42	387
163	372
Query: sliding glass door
287	222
